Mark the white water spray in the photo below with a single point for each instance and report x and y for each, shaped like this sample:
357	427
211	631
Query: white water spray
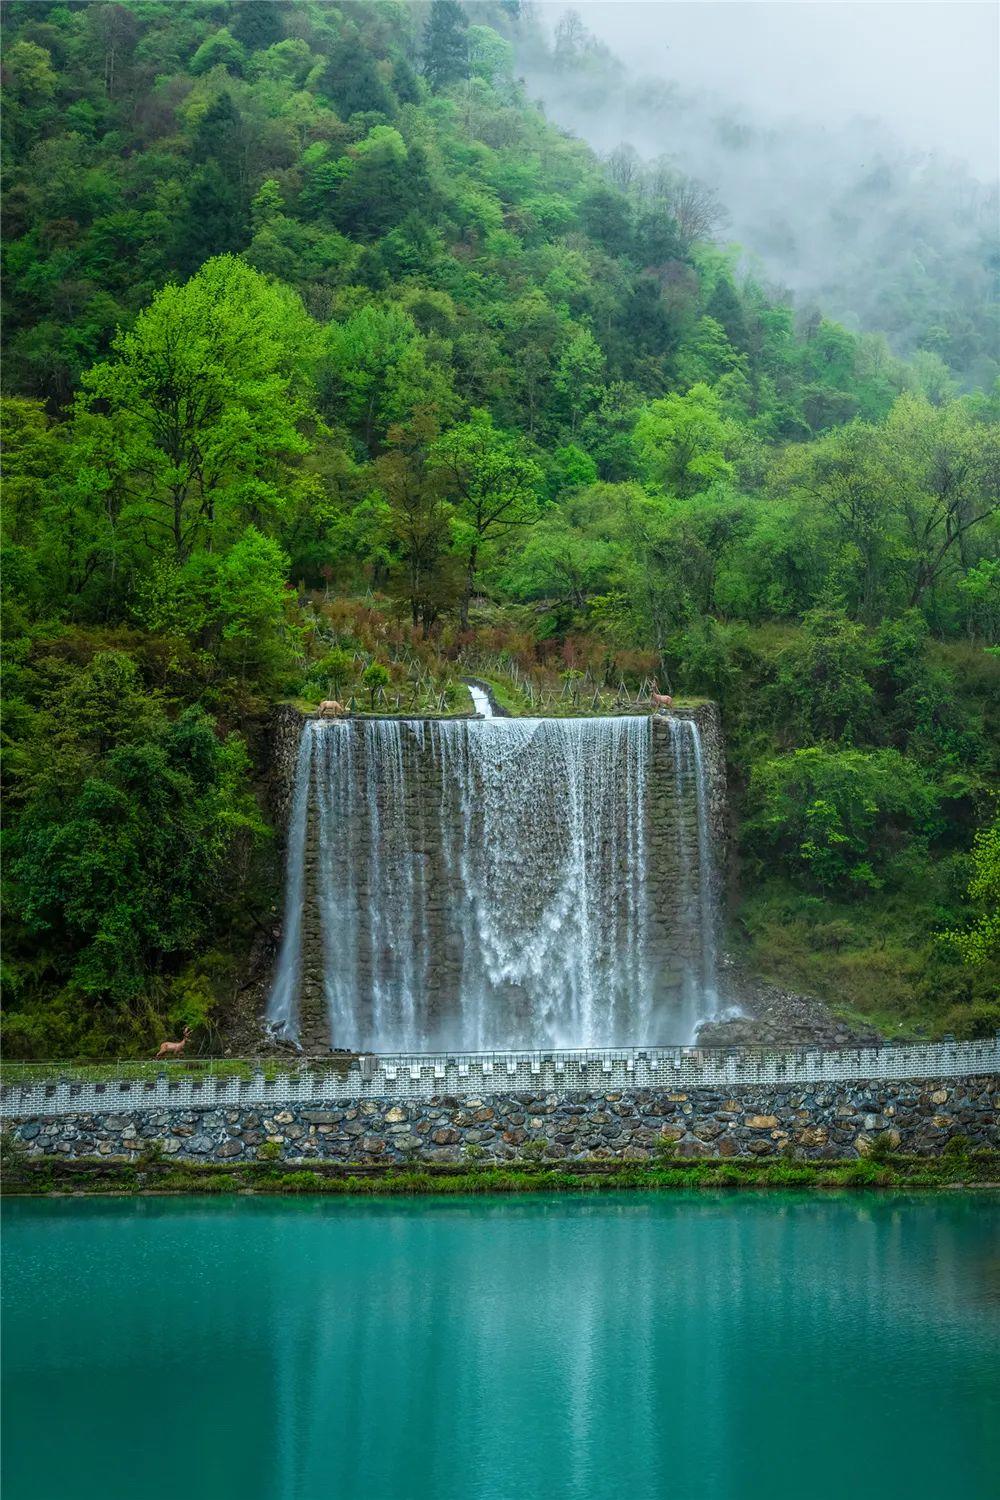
486	885
282	1008
480	700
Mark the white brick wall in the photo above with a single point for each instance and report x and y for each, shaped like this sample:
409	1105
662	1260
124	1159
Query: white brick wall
421	1077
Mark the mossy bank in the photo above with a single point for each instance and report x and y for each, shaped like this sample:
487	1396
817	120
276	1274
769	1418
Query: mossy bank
956	1169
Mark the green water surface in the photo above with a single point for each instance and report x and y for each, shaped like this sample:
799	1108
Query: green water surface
702	1346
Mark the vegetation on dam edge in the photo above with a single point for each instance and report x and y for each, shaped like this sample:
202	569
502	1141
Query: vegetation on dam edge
955	1168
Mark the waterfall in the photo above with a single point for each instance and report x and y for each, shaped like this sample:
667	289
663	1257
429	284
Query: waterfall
699	988
706	876
480	700
282	1008
487	884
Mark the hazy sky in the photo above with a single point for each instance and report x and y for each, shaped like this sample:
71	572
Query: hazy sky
930	70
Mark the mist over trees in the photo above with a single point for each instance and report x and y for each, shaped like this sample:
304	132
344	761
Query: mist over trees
331	362
883	236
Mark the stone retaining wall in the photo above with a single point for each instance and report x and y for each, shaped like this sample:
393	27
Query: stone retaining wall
917	1116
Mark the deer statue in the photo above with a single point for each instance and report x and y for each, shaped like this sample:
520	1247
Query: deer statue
174	1049
330	708
659	700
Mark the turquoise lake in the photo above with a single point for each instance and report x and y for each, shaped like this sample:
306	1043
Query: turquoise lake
702	1346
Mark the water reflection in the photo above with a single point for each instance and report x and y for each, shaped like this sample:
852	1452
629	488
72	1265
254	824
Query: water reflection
678	1346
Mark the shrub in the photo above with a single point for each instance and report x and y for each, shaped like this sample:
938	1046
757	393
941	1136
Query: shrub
967	1022
832	816
881	1147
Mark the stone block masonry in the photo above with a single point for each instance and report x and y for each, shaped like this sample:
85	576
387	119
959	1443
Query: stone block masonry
816	1122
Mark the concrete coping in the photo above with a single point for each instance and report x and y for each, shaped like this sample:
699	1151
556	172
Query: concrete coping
52	1090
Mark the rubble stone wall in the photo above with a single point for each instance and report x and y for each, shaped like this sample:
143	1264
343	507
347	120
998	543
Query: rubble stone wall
824	1122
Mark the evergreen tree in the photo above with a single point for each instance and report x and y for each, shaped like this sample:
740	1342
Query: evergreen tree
219	136
446	46
404	81
214	220
725	307
257	24
351	80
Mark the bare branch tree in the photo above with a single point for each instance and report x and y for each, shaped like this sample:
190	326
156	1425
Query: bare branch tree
623	166
695	208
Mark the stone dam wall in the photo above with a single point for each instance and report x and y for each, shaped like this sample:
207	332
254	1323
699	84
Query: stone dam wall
510	1107
288	723
674	933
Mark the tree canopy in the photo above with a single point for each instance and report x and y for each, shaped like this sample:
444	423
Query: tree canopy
330	360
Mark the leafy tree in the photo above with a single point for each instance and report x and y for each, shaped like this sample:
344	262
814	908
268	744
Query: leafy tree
491	56
195	422
378	371
834	817
682	441
945	468
706	357
117	869
823	690
421	518
32	457
980	942
376	679
251	607
578	375
493	484
220	50
572	555
336	668
570	469
847	475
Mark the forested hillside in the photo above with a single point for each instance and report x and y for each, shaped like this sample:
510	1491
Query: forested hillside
892	240
332	367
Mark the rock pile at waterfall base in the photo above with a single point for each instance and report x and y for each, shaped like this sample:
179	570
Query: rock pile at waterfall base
775	1017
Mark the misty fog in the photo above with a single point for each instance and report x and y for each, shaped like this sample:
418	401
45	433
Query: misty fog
852	147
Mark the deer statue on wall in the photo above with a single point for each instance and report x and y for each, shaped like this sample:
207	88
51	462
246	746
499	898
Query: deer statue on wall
174	1049
659	700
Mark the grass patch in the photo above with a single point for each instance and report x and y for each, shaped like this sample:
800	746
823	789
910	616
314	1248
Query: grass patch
23	1175
875	962
142	1070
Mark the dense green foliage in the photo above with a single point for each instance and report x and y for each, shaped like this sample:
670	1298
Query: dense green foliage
306	305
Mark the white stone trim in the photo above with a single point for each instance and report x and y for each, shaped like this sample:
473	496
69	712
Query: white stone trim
416	1076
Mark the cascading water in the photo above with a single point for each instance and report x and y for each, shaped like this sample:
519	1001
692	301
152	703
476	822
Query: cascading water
488	884
699	990
480	700
282	1007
